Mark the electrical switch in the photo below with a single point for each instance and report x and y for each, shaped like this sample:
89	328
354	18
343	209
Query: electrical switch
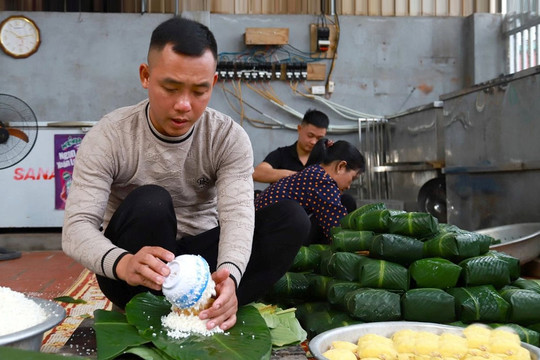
323	38
277	70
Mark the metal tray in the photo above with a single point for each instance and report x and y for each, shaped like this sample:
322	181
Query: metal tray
521	241
321	343
31	338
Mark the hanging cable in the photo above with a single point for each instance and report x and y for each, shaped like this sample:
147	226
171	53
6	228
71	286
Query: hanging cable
329	77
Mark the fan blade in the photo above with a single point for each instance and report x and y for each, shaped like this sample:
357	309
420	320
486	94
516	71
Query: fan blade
18	133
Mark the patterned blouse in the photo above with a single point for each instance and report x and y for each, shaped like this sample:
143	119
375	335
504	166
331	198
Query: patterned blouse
314	190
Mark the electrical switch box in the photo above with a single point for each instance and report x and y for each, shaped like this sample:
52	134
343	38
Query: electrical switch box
323	41
323	38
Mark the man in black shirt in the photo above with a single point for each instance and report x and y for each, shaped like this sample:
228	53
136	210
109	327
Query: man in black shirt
287	160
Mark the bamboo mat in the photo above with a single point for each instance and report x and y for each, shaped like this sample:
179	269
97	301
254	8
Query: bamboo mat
87	289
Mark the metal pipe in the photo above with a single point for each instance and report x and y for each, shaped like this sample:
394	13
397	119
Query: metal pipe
328	3
143	6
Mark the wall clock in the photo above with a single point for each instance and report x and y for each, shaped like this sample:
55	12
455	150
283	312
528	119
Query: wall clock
19	36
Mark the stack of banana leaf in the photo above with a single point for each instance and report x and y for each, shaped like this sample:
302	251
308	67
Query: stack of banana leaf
388	265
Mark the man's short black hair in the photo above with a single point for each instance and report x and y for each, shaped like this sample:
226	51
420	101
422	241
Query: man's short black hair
188	37
316	118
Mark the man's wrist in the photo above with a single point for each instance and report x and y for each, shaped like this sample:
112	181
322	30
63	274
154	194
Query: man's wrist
234	280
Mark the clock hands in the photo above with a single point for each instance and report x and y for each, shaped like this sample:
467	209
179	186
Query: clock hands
19	36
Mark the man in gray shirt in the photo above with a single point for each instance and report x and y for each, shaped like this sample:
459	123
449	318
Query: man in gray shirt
170	176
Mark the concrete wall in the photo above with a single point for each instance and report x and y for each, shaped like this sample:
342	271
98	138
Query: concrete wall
87	65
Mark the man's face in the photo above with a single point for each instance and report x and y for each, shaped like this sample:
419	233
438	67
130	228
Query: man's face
308	135
179	88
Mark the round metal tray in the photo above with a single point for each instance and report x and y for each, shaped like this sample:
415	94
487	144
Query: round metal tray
521	241
32	337
321	343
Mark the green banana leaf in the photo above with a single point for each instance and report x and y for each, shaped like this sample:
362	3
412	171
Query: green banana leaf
529	284
485	270
396	248
336	230
534	327
349	222
321	321
414	224
375	220
525	306
382	274
344	265
352	240
305	260
304	310
457	246
285	329
479	304
371	305
447	228
249	339
513	263
526	335
321	250
434	273
291	285
318	286
326	266
114	335
150	353
428	304
337	290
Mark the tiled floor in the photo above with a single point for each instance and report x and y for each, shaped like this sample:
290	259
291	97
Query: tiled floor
43	270
44	274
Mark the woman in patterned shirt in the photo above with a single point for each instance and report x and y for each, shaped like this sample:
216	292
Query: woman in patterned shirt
318	187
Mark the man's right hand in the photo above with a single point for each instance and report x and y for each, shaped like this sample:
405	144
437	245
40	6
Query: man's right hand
147	267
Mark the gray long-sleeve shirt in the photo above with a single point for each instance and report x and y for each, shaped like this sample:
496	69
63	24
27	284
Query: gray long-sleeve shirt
207	171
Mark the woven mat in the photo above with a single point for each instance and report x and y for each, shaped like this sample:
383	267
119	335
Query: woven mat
87	289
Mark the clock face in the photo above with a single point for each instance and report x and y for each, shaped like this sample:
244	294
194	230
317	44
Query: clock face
19	36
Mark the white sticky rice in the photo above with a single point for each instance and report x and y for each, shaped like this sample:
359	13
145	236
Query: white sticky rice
17	312
181	325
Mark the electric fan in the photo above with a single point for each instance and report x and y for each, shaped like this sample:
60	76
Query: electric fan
18	130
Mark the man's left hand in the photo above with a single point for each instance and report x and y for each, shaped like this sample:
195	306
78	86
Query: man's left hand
222	313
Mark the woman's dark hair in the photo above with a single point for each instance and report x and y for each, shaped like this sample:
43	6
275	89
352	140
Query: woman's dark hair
325	152
188	37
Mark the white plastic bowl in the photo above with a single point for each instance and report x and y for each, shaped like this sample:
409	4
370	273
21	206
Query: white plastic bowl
32	337
321	343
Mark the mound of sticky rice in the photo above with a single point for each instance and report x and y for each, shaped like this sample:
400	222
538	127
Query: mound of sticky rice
190	289
17	312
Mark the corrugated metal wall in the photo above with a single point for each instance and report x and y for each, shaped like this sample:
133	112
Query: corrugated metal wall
258	7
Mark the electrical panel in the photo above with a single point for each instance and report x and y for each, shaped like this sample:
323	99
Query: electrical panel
262	71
